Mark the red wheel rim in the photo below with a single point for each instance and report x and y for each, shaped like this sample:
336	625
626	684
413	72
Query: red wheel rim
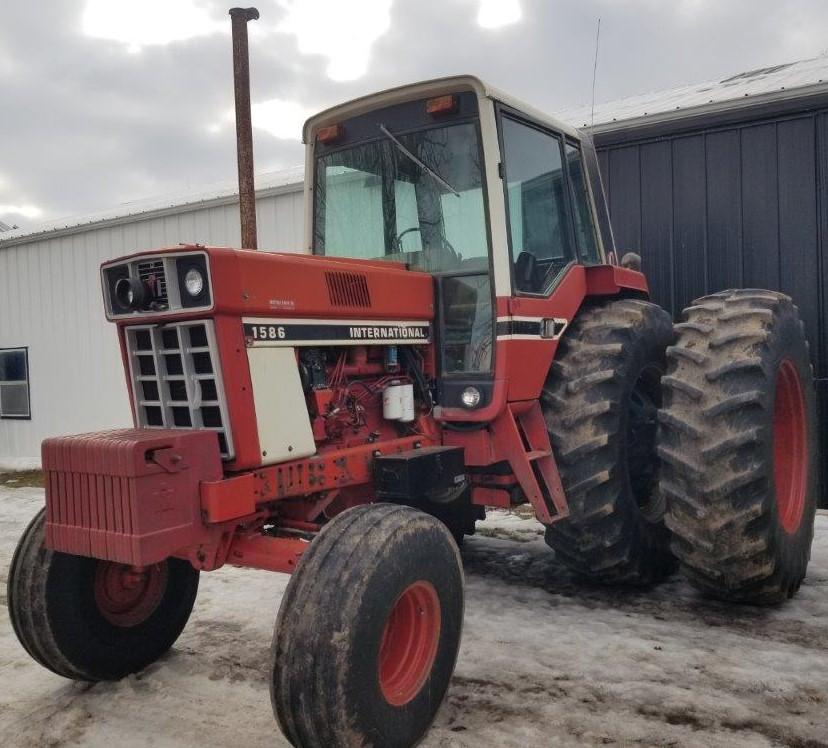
790	451
409	643
127	595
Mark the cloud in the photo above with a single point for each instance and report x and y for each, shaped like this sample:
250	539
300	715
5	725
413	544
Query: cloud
139	23
27	211
85	125
280	118
341	31
496	13
277	117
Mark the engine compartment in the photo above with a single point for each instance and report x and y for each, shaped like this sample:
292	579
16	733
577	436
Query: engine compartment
364	394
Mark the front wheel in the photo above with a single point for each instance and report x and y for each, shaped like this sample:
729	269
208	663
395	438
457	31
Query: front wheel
368	631
94	620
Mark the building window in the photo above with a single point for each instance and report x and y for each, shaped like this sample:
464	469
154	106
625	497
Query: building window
14	383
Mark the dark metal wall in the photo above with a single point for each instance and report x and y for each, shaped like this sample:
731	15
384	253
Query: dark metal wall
743	204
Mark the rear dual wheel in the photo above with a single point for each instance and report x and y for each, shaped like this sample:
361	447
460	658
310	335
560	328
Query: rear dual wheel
94	620
739	447
368	631
600	402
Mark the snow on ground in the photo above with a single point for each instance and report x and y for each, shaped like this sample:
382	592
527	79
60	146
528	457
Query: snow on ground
544	662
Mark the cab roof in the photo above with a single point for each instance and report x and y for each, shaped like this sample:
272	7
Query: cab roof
424	89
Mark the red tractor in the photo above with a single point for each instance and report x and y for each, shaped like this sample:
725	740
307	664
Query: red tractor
458	336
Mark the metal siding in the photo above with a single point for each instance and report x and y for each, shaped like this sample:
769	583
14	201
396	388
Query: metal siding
689	220
760	207
625	198
753	195
724	210
657	220
798	245
603	165
50	302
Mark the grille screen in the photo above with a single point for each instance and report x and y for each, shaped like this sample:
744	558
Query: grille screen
153	274
347	289
177	381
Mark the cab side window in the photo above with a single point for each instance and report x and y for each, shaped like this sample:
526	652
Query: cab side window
541	236
584	224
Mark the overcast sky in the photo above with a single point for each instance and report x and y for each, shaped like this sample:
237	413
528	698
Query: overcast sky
106	101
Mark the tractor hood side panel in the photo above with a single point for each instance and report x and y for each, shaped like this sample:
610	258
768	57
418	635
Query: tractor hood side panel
261	283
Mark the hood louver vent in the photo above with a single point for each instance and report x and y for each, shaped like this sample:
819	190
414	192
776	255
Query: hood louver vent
348	289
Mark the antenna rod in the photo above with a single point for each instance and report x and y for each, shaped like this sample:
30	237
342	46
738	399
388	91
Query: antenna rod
244	126
594	75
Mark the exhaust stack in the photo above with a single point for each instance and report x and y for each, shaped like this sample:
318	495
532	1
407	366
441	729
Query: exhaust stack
244	127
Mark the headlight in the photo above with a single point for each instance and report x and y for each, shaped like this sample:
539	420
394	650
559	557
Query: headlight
470	397
194	282
131	293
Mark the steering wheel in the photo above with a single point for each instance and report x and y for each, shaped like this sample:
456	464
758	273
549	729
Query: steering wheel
445	245
398	240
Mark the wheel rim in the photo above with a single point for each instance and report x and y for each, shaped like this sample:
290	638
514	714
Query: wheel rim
409	643
127	596
642	422
790	453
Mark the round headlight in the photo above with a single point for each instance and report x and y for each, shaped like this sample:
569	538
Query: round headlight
131	293
194	282
470	397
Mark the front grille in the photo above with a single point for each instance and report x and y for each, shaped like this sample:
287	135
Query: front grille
176	379
152	273
348	289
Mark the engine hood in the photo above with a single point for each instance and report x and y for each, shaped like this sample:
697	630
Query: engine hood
290	285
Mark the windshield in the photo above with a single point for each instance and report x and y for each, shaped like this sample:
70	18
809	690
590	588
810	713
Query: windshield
414	198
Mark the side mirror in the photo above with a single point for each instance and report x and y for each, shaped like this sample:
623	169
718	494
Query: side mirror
631	261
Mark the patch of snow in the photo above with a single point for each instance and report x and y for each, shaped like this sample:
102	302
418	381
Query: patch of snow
13	464
544	661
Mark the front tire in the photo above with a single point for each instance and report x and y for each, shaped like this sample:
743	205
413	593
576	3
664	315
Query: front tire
368	631
94	620
600	403
739	446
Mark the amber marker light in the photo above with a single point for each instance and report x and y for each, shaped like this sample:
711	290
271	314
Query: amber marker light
330	134
442	105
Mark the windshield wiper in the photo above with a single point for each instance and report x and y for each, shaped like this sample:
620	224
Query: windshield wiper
427	169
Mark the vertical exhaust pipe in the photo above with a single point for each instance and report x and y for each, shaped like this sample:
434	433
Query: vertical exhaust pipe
244	126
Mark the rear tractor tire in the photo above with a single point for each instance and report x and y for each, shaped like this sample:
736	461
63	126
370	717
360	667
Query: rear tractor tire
94	620
738	444
600	403
368	631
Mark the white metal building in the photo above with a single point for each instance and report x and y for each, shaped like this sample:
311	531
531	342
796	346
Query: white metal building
60	366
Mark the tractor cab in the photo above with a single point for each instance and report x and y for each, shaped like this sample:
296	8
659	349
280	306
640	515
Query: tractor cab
450	177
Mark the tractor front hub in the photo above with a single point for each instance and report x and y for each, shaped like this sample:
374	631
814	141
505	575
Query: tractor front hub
127	596
409	643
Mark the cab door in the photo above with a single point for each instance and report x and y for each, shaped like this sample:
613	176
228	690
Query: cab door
542	239
552	235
